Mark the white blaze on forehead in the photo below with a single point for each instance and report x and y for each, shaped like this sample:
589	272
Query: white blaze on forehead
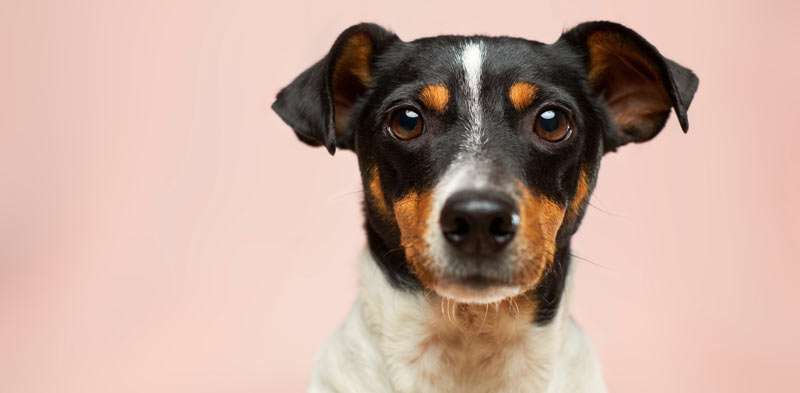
472	54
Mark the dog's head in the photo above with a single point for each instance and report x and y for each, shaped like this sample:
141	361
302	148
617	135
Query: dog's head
478	154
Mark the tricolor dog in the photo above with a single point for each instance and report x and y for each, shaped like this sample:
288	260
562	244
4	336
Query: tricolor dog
478	155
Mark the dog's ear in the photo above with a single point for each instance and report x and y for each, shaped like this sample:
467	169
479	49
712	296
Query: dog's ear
318	103
638	84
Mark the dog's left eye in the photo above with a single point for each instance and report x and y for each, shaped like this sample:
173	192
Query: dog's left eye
405	124
552	125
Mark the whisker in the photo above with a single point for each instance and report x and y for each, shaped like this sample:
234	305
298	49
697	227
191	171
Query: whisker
449	315
392	250
485	313
344	194
610	213
427	295
590	261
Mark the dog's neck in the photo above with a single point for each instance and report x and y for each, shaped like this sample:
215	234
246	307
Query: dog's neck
423	336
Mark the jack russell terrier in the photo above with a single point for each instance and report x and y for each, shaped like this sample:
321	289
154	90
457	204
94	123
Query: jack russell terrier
478	155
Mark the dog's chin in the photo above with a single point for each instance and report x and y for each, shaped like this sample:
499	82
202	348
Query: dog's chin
464	291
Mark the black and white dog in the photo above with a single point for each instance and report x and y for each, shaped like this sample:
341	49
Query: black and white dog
478	155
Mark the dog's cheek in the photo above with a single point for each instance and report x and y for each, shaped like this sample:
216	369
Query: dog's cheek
540	220
581	197
376	195
412	212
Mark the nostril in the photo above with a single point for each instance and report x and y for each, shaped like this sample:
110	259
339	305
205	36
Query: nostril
457	231
502	228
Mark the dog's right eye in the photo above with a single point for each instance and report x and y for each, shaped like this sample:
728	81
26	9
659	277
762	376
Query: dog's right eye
405	124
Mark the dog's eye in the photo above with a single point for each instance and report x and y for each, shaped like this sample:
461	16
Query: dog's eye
552	125
405	124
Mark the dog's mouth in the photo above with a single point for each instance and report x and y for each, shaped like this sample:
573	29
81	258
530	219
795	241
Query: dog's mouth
476	289
470	295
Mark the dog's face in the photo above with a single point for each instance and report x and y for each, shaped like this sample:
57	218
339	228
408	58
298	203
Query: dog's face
478	154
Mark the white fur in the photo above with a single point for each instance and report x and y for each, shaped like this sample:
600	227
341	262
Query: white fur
471	58
381	348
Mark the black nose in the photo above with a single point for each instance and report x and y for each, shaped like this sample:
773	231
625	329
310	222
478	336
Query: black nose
479	222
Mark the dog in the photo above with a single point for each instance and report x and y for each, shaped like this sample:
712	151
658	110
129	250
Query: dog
478	156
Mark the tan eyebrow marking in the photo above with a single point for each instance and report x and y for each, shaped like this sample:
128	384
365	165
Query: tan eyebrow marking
435	96
521	94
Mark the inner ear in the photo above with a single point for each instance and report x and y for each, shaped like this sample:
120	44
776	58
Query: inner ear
350	78
632	85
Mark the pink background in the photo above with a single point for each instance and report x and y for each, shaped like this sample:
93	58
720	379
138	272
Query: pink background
162	231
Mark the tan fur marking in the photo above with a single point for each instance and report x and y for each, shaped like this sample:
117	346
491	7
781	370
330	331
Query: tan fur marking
376	192
521	94
540	221
435	97
581	194
412	213
473	342
354	60
352	75
641	94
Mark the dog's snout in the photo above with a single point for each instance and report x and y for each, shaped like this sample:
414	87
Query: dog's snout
479	222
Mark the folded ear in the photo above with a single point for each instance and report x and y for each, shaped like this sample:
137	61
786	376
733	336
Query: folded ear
318	103
638	84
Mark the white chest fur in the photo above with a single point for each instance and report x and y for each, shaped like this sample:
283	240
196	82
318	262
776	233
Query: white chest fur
394	341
